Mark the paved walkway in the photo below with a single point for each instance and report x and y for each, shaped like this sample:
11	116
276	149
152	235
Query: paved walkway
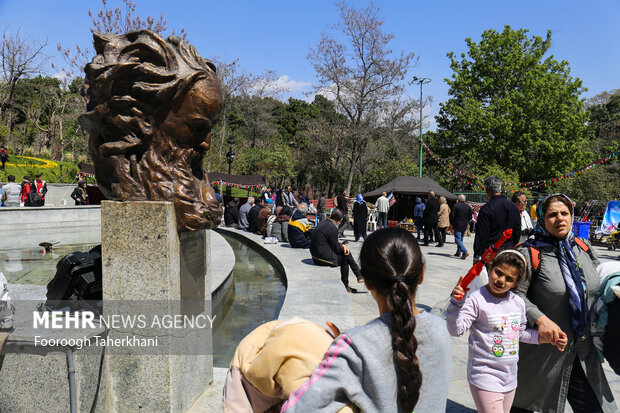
316	293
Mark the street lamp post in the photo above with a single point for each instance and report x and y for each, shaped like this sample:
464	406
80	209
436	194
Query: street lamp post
230	156
420	81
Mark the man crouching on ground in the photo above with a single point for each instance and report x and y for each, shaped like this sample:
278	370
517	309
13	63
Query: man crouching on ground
326	250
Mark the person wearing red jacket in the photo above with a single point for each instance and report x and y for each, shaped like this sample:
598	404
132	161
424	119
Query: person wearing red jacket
25	199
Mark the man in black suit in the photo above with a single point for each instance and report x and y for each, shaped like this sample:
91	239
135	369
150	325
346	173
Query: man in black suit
327	251
497	215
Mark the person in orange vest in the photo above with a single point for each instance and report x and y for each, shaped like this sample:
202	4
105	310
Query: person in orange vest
38	189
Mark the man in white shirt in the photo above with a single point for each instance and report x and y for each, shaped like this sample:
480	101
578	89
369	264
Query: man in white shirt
289	198
11	192
520	200
383	205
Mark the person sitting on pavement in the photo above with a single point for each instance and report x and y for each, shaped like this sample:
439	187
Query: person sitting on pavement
279	228
263	216
253	215
243	213
327	251
267	193
231	213
299	228
79	194
289	198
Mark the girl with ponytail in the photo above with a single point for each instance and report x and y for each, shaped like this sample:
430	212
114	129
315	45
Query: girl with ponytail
398	361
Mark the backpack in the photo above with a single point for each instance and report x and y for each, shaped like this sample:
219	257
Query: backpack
34	196
535	253
611	339
4	155
78	277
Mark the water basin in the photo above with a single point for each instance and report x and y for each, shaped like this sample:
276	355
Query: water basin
256	297
34	265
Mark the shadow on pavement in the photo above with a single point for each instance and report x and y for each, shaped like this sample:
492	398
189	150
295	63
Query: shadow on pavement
454	407
423	307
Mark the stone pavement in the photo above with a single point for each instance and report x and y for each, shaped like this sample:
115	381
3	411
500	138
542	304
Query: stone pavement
317	294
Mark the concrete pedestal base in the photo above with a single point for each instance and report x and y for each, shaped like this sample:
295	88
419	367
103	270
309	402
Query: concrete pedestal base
144	259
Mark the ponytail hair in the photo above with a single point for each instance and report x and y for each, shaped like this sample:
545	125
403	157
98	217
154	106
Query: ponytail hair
391	263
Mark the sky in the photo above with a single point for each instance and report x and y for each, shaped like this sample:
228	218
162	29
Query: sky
276	35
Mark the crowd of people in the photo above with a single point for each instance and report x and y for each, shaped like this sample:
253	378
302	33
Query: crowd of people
27	193
530	342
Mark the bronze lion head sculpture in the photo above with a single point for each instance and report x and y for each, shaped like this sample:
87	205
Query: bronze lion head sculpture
151	106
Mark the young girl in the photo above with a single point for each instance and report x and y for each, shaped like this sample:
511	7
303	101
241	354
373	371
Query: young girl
396	362
496	319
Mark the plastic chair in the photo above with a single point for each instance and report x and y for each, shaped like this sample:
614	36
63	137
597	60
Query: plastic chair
372	221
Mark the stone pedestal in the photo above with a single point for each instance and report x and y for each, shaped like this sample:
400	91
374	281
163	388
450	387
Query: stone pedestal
145	260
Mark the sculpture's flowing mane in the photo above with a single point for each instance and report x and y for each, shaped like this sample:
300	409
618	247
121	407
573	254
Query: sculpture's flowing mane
132	84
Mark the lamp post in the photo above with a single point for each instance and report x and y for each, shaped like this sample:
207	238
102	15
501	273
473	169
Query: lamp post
420	81
230	156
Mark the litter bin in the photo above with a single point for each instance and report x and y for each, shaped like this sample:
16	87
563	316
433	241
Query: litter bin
582	229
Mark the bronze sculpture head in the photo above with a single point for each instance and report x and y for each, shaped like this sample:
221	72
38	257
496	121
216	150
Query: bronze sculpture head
152	105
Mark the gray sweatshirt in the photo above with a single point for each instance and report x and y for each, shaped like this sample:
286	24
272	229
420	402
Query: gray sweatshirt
358	367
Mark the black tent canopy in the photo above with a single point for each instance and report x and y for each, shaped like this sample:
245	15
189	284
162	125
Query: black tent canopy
412	185
406	189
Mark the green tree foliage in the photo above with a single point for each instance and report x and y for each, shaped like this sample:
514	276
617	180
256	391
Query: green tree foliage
603	181
356	67
596	183
514	104
47	112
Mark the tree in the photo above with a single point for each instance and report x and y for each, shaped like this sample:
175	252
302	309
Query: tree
602	181
514	105
20	57
48	104
237	87
119	20
360	74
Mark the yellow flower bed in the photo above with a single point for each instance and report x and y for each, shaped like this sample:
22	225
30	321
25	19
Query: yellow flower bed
45	163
